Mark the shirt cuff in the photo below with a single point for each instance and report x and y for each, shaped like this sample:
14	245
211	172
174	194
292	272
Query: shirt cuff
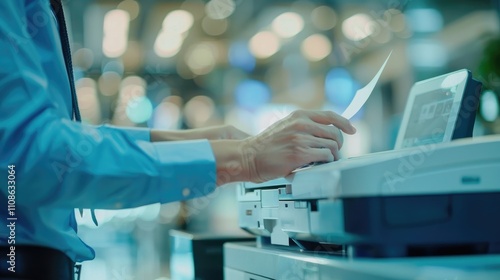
188	169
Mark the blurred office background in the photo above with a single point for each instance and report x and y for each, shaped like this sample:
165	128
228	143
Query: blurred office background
194	63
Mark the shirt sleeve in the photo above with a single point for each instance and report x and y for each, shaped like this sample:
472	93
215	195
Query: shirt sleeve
137	133
60	163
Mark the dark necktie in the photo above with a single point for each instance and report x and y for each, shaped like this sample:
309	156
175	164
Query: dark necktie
63	34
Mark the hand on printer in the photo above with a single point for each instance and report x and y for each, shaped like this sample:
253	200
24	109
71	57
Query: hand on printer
301	138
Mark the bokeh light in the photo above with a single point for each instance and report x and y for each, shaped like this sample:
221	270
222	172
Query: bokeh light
264	44
88	101
109	83
489	108
220	9
116	23
131	6
251	94
83	58
427	53
178	21
324	18
134	81
139	109
132	91
397	21
288	24
240	56
357	27
168	44
171	36
340	87
199	110
167	116
425	20
201	58
214	27
316	47
114	66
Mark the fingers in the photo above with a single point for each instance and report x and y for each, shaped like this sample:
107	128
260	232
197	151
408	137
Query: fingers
318	155
327	144
319	130
327	118
327	132
322	143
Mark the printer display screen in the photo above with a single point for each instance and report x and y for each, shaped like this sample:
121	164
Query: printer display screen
429	118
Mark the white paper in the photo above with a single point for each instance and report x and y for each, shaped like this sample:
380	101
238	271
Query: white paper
363	94
356	104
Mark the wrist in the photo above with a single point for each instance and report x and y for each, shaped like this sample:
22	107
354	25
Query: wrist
232	164
249	150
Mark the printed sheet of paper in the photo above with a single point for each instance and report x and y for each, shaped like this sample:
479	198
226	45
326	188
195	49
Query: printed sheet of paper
356	104
363	94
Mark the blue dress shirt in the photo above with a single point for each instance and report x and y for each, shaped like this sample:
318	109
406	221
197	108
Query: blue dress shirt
60	164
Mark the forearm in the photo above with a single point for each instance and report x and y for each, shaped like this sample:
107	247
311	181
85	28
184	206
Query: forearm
211	133
170	135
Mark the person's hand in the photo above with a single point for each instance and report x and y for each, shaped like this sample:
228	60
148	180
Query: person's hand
301	138
222	132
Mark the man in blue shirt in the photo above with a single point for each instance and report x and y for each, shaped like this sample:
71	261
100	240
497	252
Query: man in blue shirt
52	164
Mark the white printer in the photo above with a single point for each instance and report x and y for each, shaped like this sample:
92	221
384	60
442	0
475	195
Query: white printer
428	196
441	199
